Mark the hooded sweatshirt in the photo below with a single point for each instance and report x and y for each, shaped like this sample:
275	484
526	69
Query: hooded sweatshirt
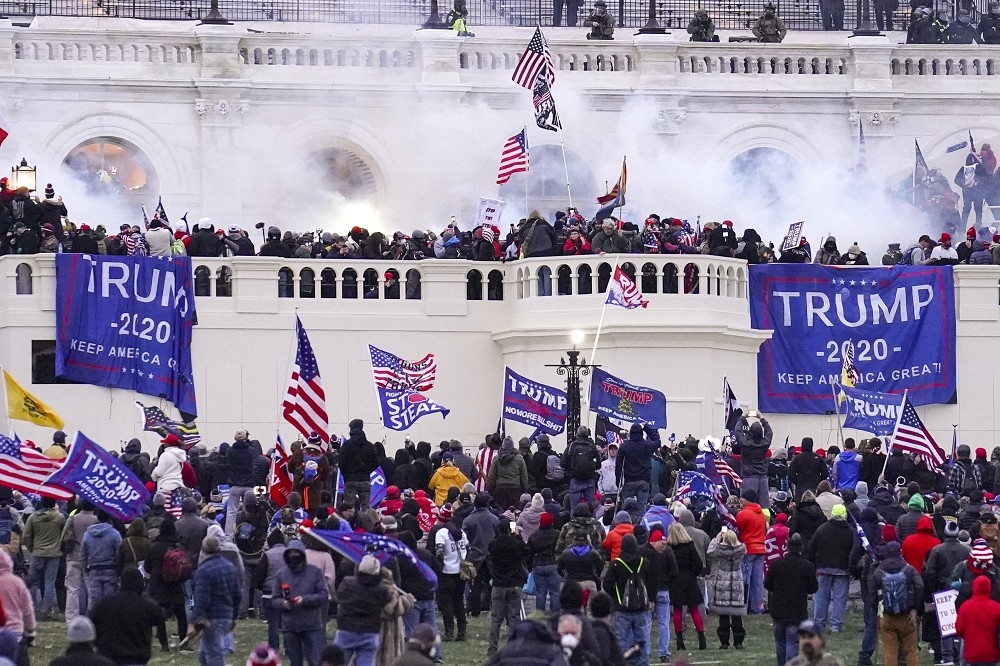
919	544
446	477
305	581
847	469
752	526
978	623
862	499
15	598
529	519
100	547
167	473
508	469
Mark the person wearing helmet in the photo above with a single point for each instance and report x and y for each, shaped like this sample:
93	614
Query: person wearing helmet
770	28
602	24
961	30
701	27
274	247
989	25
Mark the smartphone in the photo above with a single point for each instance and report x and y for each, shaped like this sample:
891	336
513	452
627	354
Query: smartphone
513	527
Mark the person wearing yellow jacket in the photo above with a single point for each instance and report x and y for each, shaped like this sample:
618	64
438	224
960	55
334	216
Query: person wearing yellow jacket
447	476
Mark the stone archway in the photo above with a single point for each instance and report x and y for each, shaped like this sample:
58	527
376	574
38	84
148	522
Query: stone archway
764	173
113	167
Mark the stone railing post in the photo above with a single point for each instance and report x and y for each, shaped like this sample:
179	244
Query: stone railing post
7	31
656	60
870	62
438	56
219	45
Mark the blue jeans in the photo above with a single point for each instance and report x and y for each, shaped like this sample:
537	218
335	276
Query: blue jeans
42	573
547	582
663	611
100	583
786	641
640	491
870	638
304	646
831	589
358	645
422	611
578	490
633	629
753	576
212	651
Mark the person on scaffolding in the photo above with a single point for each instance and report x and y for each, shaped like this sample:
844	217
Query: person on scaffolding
456	19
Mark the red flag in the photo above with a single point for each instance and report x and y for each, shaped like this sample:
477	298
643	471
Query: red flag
4	128
279	482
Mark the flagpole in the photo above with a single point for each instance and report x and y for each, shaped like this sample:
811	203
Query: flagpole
288	364
526	170
569	192
892	437
6	402
836	412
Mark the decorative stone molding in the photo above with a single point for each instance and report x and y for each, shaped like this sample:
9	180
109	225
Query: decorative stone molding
876	123
12	105
668	121
220	111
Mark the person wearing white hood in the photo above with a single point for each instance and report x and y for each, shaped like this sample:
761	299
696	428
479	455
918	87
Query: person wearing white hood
167	473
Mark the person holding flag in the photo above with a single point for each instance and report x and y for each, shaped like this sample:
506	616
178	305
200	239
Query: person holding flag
752	443
310	470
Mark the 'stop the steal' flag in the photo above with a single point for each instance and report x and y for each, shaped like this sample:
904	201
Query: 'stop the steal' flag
401	409
534	403
900	322
617	399
623	292
98	477
126	322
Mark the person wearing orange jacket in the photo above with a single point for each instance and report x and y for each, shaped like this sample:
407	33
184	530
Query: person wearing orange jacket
752	525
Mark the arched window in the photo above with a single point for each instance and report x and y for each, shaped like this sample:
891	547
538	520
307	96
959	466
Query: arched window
648	283
203	281
473	286
113	167
603	277
391	284
224	282
344	172
766	174
585	279
307	283
494	289
413	285
691	273
564	280
371	283
669	278
349	284
547	181
328	283
286	278
23	282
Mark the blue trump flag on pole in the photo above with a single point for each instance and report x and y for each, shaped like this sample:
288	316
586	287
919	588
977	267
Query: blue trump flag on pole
899	320
377	481
354	546
401	408
869	411
98	477
617	399
534	403
126	322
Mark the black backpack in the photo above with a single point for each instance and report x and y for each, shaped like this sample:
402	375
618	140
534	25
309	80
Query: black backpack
969	483
581	462
633	596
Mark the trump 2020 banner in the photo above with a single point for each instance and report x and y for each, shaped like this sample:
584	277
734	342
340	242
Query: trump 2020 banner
617	399
869	411
126	322
533	403
900	320
95	475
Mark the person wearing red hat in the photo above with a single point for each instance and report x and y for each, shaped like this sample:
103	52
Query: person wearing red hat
943	253
978	623
986	471
168	473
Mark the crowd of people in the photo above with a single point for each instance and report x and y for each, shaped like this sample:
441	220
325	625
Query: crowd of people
603	542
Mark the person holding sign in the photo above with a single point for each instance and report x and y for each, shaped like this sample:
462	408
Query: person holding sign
978	623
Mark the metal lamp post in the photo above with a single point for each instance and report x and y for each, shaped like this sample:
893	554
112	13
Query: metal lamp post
865	27
434	21
214	16
652	26
573	370
23	175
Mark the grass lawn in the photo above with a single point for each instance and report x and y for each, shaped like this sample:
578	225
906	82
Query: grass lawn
759	646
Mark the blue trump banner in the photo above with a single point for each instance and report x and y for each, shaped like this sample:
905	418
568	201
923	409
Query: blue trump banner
617	399
401	409
354	546
869	411
125	322
534	404
377	481
98	477
899	320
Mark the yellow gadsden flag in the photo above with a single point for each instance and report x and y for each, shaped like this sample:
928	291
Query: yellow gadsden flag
23	406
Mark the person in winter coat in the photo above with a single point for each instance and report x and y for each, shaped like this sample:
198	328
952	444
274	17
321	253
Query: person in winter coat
725	587
828	254
916	546
633	463
632	623
581	562
357	461
978	624
847	467
582	520
979	563
530	518
168	594
124	621
826	498
608	240
872	463
264	575
907	523
135	460
18	607
752	526
134	548
204	241
685	590
830	551
507	557
169	466
902	594
752	443
421	647
854	257
789	581
42	538
72	539
360	602
542	555
941	562
310	471
806	518
300	591
530	642
480	528
607	483
964	478
446	477
621	527
806	469
776	541
99	553
582	463
661	557
508	476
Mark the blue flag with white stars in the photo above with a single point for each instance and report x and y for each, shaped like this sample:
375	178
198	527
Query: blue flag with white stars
900	321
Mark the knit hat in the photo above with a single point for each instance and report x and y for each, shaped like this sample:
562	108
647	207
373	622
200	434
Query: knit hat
781	518
159	500
839	512
916	502
750	495
981	453
622	517
629	544
600	605
537	501
524	498
546	520
888	533
950	527
445	513
209	545
369	565
389	523
50	192
81	630
981	552
655	535
263	655
892	549
964	538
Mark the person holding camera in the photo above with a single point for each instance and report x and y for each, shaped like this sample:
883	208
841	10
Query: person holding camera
507	556
701	27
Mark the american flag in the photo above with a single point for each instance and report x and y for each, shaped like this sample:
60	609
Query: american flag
154	420
22	468
305	402
392	372
3	128
513	157
911	435
484	461
726	470
536	60
546	116
849	375
623	293
160	212
695	484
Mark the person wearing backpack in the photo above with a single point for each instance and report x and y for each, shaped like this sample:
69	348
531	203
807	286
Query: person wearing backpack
582	464
901	590
165	588
964	477
629	580
546	467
